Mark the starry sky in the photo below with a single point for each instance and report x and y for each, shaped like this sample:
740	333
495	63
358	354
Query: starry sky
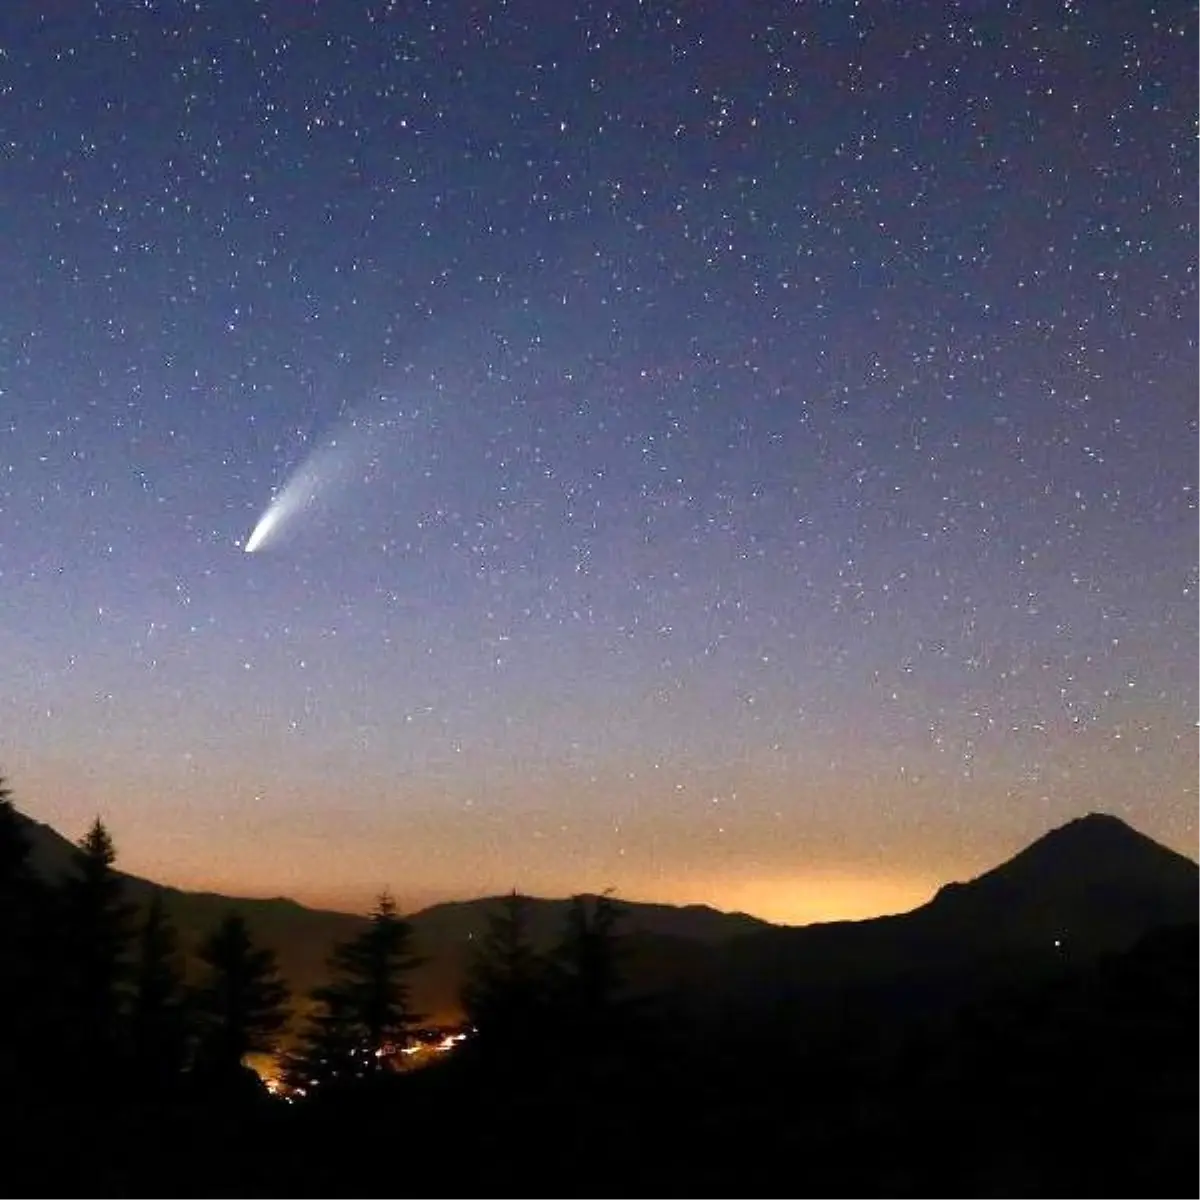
735	453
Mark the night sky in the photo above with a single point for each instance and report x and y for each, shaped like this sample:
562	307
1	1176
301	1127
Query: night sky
731	452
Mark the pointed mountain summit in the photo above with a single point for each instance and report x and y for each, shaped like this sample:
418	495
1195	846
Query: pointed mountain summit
1097	846
1093	884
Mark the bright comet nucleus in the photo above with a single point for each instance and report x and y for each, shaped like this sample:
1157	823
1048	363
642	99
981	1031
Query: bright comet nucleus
262	530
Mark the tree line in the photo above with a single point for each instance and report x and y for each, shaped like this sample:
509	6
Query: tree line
130	1056
98	992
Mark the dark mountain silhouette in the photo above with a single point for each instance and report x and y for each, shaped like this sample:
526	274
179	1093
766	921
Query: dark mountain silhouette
303	937
444	934
1090	887
1029	1032
1093	886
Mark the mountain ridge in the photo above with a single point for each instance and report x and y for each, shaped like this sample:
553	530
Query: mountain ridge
52	851
1089	886
444	934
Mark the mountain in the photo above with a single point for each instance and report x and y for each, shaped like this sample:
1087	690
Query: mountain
444	934
1091	887
301	936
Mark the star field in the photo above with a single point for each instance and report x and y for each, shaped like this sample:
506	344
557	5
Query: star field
764	440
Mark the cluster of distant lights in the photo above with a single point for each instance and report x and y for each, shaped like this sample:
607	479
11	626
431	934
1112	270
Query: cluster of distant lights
276	1087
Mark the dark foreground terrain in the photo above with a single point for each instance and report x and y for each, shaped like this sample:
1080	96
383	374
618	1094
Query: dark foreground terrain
1080	1083
1031	1032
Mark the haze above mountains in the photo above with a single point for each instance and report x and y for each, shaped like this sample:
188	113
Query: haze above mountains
1092	886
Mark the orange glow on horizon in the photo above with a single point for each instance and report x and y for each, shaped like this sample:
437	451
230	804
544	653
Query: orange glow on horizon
802	899
794	860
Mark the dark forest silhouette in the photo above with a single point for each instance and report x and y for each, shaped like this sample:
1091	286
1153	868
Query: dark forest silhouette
1016	1073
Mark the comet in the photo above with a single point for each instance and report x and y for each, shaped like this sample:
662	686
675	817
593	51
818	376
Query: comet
262	530
298	494
352	450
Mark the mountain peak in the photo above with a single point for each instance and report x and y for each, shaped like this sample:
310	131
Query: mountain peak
1094	873
1099	843
1098	821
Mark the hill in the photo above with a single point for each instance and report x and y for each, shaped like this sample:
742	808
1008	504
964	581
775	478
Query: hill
869	1058
1091	887
444	934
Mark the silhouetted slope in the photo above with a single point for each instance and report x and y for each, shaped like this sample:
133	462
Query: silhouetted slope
1092	886
50	853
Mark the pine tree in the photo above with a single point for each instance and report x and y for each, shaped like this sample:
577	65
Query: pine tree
95	922
370	974
588	980
240	1003
157	1021
331	1051
505	994
364	1015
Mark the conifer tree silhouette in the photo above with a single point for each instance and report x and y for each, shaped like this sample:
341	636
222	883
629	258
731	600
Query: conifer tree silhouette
157	1011
587	980
240	1003
331	1050
364	1015
505	994
94	924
